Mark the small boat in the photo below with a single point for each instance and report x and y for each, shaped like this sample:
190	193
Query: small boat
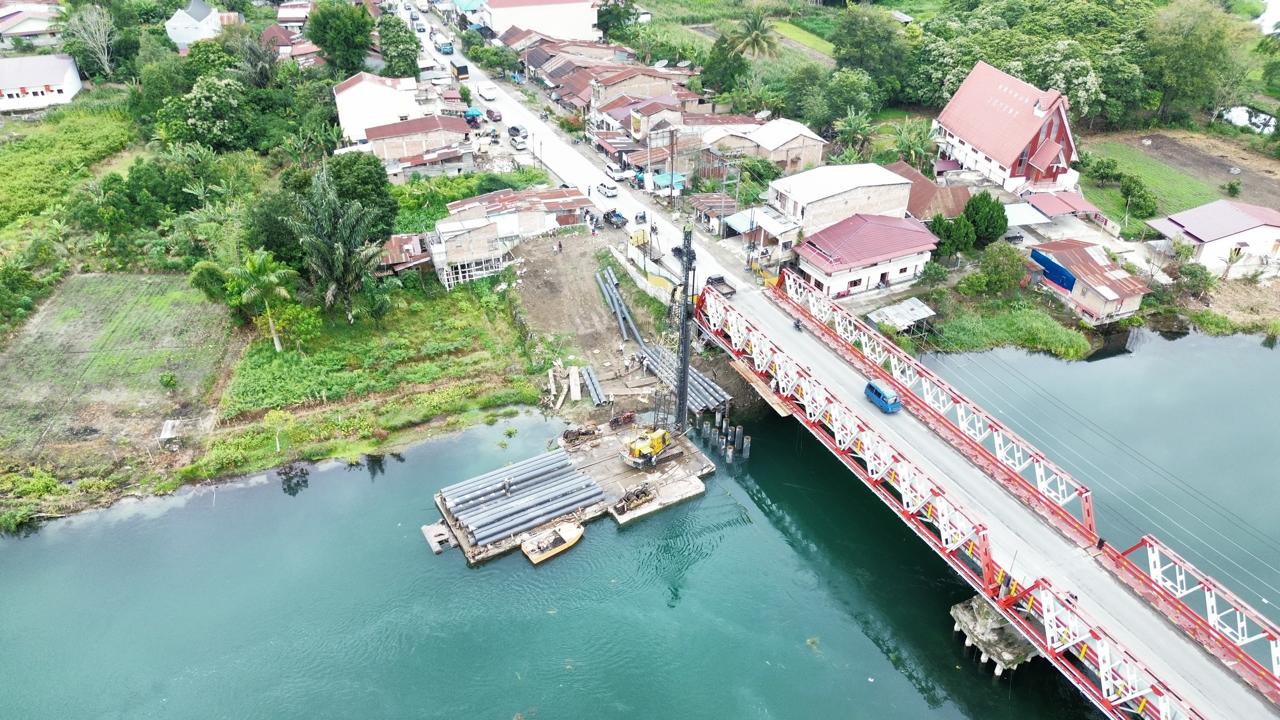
550	543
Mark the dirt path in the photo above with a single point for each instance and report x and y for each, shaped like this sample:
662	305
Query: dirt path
558	292
1209	158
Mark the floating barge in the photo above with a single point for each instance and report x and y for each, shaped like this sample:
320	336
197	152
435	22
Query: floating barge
584	479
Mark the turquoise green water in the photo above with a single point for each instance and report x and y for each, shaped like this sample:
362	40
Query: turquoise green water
786	592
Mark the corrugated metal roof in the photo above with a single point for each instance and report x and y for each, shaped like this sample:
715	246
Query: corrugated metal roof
864	240
996	112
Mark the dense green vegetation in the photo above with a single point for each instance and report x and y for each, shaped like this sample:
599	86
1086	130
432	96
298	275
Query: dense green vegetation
1173	189
422	200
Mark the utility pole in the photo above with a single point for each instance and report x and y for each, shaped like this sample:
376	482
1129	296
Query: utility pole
686	328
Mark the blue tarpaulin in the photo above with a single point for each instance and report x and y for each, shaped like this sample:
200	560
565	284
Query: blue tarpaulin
663	180
474	112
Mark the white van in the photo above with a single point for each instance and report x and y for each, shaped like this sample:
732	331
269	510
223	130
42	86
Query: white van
616	173
608	190
488	91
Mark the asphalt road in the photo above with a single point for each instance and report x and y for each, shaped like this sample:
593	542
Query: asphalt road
1020	539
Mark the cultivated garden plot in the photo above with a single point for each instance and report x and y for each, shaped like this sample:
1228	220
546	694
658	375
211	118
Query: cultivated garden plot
104	362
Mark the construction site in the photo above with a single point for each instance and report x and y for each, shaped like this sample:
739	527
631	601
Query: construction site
628	466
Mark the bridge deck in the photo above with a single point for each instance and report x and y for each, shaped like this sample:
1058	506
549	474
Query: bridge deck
1023	542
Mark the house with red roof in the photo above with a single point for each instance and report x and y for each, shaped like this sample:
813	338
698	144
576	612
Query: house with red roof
365	100
928	198
865	252
1099	290
1228	237
1012	133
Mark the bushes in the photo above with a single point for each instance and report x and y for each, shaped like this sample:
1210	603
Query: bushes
422	200
39	169
1016	324
986	214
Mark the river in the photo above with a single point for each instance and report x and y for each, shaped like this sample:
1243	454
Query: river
786	591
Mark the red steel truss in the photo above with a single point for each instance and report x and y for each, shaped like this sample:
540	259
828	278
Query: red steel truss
1115	681
1222	623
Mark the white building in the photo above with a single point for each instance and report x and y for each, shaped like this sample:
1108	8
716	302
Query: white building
365	100
293	15
1228	237
197	21
34	82
824	196
563	19
38	25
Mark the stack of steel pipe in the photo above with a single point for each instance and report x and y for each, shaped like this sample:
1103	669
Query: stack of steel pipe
609	297
703	393
516	498
593	385
619	307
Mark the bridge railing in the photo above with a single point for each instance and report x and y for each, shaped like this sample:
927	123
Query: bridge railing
1234	632
1115	681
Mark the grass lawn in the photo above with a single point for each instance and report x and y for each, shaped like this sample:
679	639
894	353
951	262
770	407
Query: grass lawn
919	10
804	37
1174	189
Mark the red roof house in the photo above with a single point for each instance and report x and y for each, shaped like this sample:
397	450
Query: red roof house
1087	279
1228	236
865	252
928	198
1013	133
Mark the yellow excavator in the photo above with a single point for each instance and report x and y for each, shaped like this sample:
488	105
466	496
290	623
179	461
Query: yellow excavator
649	448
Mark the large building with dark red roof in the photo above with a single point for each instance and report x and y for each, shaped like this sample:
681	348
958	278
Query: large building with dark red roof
1013	133
1229	237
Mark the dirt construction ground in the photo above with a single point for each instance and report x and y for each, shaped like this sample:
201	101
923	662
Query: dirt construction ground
99	368
1211	158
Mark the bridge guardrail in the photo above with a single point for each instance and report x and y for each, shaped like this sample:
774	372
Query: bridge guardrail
933	400
1112	678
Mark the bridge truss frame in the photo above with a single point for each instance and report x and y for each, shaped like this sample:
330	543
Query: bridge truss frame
1117	683
1219	620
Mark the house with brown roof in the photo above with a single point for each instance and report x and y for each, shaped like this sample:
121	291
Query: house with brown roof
413	137
638	81
1228	237
1099	290
403	252
293	15
865	252
928	198
789	145
32	23
1011	132
451	160
477	238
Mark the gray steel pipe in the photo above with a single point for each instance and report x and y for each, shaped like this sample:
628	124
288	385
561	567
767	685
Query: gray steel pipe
568	505
499	490
477	514
453	490
558	506
537	495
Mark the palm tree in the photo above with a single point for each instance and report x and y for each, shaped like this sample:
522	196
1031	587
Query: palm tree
755	36
333	236
855	131
261	279
913	143
257	66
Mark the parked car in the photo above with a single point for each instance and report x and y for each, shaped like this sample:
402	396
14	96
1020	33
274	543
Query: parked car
487	90
414	15
516	131
493	115
615	219
519	144
615	172
608	190
421	28
883	397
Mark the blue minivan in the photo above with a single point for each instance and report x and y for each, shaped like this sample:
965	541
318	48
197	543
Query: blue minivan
883	396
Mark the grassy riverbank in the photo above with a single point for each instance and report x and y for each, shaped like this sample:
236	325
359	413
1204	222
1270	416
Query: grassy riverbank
438	362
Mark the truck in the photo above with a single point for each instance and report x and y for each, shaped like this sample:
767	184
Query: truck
721	285
442	43
459	68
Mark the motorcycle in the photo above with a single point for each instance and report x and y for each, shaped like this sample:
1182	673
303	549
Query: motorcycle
796	324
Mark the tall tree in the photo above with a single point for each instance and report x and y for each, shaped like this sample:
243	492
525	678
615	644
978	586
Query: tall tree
987	216
1194	56
1003	266
615	15
868	38
215	113
334	242
90	35
361	177
256	66
724	66
261	279
754	36
342	32
400	47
